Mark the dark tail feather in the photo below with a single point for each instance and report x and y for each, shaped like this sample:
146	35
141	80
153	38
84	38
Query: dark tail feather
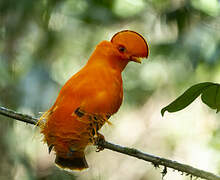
78	163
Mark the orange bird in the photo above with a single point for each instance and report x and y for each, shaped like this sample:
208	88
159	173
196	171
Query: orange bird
89	98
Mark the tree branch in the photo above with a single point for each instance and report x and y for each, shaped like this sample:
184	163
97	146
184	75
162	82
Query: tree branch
18	116
157	161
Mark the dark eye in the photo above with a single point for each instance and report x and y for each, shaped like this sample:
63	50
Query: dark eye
121	48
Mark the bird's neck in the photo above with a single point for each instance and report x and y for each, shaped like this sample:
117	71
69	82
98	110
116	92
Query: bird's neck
107	57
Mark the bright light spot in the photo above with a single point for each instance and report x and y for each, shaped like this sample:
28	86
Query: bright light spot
127	8
211	7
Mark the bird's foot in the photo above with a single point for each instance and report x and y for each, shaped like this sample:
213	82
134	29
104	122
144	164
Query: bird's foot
98	140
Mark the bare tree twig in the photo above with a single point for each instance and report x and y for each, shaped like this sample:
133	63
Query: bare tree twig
157	161
18	116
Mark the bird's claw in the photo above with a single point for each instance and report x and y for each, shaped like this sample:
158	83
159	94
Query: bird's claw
98	141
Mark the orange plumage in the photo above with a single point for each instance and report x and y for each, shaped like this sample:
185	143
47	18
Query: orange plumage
89	98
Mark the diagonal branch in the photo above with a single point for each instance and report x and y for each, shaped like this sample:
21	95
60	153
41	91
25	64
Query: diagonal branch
18	116
157	161
160	161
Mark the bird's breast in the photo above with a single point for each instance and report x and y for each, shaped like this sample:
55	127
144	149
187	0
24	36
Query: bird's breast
106	92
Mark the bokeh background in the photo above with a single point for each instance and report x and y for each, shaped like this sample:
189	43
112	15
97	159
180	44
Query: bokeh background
44	42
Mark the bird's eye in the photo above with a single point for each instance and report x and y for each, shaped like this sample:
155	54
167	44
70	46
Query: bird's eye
121	48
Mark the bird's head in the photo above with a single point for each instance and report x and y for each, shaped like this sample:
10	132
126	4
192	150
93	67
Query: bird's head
130	45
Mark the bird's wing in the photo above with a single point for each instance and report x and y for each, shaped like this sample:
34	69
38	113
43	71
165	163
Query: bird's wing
92	90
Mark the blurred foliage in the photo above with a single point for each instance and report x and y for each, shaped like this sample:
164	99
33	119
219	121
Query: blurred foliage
42	43
209	92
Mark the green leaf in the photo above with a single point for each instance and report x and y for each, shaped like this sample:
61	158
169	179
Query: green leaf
210	96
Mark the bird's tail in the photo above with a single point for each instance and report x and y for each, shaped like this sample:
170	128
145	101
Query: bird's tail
73	163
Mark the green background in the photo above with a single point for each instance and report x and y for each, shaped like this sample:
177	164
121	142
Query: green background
44	42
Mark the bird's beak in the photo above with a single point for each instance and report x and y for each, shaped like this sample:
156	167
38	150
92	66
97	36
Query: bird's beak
136	59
